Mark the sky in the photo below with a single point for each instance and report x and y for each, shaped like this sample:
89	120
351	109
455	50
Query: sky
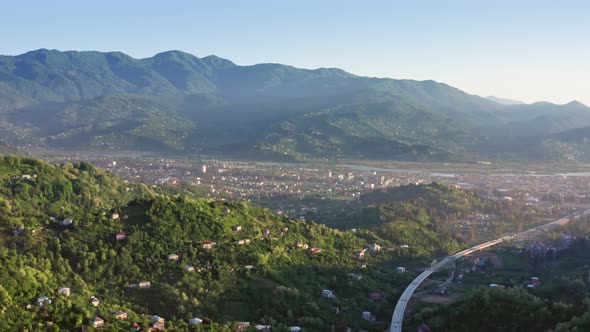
520	49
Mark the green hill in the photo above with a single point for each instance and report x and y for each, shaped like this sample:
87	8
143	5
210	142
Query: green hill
178	103
246	276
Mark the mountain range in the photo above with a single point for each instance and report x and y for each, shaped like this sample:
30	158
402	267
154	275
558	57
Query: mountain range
177	103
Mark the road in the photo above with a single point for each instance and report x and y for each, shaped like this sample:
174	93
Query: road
400	308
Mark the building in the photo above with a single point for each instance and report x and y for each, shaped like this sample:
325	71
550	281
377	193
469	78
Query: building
119	314
43	300
326	293
94	301
159	325
266	232
115	216
208	244
66	222
242	326
237	228
173	257
96	322
65	291
359	254
195	321
374	247
189	268
263	328
301	245
204	169
315	250
243	241
355	276
121	236
366	315
145	284
400	269
375	296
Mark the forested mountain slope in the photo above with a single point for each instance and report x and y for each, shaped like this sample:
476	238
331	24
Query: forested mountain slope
177	103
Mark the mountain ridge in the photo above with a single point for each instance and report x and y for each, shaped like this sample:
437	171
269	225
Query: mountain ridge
270	111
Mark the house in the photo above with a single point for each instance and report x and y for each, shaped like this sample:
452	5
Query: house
400	269
94	301
96	322
355	276
375	296
121	236
115	216
249	267
189	268
195	321
301	245
226	212
263	328
208	244
285	229
374	247
535	281
404	246
315	250
65	291
366	315
173	257
66	222
294	329
159	325
359	254
119	314
441	290
43	300
135	327
328	294
266	232
237	228
145	284
155	318
242	326
243	241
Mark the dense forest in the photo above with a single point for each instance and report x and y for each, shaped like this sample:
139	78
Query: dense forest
72	233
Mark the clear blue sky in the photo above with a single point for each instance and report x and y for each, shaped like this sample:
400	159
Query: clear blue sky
521	49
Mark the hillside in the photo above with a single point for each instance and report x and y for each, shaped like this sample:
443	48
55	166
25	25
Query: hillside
177	103
121	235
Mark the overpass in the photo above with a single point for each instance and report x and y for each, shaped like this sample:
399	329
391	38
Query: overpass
400	308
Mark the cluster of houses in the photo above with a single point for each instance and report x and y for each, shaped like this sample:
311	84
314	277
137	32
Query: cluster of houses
540	249
373	248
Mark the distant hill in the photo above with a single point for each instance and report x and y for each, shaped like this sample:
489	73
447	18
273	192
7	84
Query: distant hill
177	103
504	101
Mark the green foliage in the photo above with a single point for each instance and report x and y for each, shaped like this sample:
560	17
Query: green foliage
267	280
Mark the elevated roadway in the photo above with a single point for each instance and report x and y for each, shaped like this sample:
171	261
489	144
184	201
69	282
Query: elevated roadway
400	308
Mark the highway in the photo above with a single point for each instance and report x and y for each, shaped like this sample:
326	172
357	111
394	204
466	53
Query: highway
400	308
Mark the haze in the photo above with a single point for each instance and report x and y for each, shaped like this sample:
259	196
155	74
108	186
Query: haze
530	51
